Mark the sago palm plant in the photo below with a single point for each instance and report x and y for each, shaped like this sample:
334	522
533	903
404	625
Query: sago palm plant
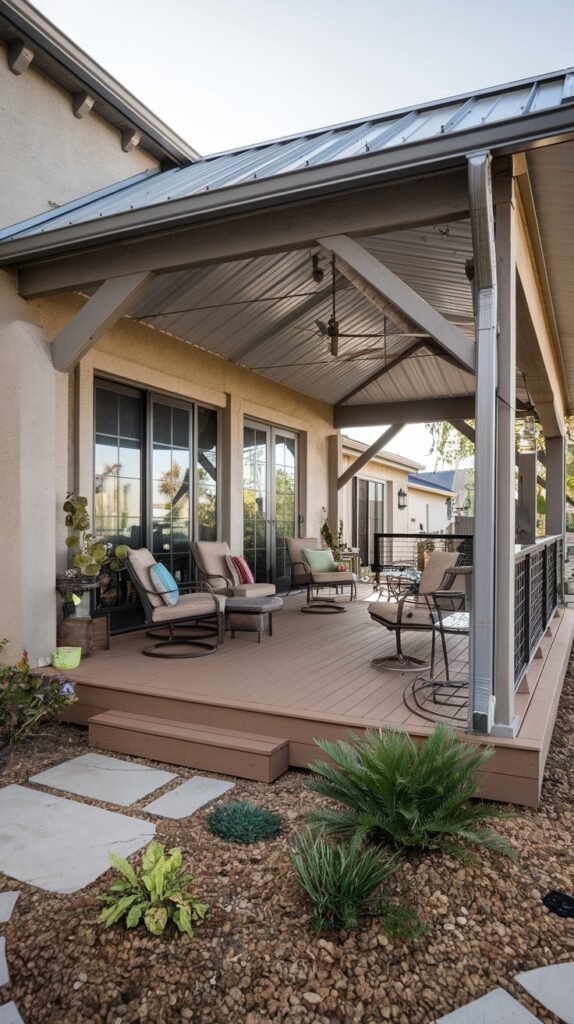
394	791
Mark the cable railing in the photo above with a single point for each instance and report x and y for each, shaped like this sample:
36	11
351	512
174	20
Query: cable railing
537	592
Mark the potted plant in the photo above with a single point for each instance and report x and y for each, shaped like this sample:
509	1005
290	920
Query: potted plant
90	554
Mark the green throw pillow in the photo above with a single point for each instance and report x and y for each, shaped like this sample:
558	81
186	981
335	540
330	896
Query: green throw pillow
320	560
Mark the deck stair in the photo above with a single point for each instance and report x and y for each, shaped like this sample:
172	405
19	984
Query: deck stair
243	754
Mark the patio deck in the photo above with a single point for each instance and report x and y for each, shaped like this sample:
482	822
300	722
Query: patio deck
312	679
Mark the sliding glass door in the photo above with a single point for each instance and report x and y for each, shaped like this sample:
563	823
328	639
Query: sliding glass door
368	517
269	500
155	482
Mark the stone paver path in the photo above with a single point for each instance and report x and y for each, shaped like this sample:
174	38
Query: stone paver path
4	975
104	778
7	904
553	987
189	797
61	845
497	1007
9	1014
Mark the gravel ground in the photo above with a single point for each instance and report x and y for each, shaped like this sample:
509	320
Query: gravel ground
254	960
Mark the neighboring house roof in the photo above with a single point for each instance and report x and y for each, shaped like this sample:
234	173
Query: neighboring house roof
503	118
57	57
354	447
440	478
426	484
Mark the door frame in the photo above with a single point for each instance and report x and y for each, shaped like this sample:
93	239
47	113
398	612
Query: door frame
272	430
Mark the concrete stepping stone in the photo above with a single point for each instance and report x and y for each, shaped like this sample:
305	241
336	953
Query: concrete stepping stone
7	904
4	974
496	1006
189	797
9	1014
553	986
62	845
104	778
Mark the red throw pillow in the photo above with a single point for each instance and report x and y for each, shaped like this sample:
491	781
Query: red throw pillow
243	570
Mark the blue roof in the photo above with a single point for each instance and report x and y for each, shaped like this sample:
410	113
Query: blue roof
440	481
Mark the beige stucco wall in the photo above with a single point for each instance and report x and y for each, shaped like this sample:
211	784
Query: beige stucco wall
48	156
396	520
422	502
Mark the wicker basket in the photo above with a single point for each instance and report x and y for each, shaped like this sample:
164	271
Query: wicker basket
76	632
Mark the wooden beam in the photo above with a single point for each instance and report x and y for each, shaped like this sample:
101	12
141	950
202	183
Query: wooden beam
368	454
426	410
391	288
102	311
437	198
384	370
465	429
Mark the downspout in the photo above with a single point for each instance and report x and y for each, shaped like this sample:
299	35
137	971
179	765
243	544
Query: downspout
481	681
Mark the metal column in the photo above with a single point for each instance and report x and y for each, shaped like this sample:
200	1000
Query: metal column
481	699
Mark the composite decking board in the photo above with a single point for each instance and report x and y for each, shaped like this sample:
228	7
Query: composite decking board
148	725
314	678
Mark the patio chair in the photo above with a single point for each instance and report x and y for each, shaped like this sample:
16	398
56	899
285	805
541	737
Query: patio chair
414	611
303	575
167	609
215	565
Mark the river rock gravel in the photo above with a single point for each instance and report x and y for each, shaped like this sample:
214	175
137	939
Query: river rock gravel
255	961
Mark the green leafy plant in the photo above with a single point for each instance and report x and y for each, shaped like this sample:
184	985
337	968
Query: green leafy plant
341	880
158	894
91	553
401	923
27	699
411	796
242	822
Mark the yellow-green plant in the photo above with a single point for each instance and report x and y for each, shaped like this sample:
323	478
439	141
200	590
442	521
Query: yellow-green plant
91	553
159	893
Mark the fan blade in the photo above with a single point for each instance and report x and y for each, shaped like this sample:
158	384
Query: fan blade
322	327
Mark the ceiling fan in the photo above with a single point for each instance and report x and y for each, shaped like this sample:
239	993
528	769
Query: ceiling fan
331	331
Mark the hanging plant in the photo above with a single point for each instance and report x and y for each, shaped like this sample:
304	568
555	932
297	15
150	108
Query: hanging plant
90	553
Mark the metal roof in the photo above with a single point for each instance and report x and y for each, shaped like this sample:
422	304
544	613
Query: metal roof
492	118
418	480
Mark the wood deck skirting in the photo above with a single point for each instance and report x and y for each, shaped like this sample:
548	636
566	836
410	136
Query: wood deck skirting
313	680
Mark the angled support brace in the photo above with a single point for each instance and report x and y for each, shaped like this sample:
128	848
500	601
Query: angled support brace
354	261
368	454
113	299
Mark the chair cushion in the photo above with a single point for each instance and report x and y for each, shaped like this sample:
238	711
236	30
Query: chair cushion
242	569
254	590
320	561
433	574
295	548
141	560
188	606
334	577
415	616
232	570
210	557
164	583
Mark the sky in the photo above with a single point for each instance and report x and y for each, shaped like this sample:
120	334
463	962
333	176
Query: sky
228	73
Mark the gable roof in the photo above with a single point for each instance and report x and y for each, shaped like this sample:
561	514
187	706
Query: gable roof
427	484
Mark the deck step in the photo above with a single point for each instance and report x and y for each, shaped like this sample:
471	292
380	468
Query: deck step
243	754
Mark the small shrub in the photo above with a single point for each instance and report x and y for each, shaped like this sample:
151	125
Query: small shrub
402	923
158	894
411	796
28	699
340	880
242	822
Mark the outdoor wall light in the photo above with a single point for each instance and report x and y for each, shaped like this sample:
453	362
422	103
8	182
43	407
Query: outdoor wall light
527	436
402	498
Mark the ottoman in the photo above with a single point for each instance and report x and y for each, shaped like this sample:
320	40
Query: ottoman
251	614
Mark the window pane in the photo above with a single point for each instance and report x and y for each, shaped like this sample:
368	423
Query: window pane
207	474
171	486
107	411
130	416
161	423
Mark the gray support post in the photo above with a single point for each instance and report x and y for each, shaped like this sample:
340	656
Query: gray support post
505	723
526	510
481	681
335	463
555	485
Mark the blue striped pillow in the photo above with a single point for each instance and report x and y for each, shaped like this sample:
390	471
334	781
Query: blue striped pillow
164	583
